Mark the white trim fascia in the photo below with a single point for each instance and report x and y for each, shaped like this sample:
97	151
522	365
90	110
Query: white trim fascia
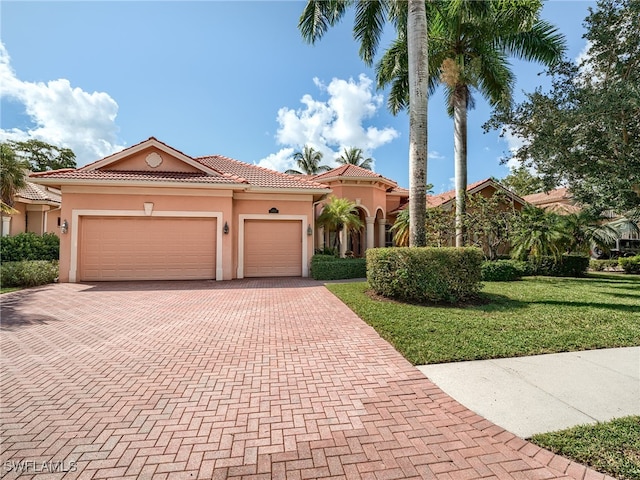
77	213
358	179
304	219
152	142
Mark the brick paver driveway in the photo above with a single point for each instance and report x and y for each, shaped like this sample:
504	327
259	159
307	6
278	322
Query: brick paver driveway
241	379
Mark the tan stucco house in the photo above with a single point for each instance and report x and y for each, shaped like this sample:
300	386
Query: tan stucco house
36	209
151	212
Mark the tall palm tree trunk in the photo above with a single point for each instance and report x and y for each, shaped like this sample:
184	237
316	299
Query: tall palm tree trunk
460	154
418	94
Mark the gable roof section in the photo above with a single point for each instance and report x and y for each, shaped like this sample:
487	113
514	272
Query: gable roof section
260	177
104	163
352	172
445	198
557	195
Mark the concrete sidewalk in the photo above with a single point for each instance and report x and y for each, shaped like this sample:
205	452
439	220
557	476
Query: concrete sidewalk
544	393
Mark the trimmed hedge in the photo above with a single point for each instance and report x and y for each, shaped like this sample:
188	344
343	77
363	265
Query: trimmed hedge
570	265
328	267
29	273
503	270
630	264
602	265
29	246
426	274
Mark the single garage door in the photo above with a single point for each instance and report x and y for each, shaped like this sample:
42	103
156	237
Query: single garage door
272	248
143	248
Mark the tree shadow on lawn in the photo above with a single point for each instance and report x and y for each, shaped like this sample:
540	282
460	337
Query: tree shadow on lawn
486	302
606	306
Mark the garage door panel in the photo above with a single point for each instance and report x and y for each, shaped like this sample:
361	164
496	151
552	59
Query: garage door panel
273	248
157	248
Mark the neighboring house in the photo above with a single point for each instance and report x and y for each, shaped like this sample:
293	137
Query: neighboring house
375	197
486	188
559	201
37	210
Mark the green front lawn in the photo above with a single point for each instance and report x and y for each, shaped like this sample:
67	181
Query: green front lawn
529	317
610	447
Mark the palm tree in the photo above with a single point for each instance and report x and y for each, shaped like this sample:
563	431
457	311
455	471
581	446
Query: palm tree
337	215
354	156
469	45
536	234
370	17
308	162
12	177
585	231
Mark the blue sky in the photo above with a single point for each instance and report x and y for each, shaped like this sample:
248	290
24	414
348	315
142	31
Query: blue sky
229	78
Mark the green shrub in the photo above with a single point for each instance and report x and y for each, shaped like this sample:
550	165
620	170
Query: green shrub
333	252
328	267
567	266
602	265
630	264
425	274
503	270
29	246
29	273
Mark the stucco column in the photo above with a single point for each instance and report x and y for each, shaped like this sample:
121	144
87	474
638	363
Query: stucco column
320	238
370	231
382	233
6	226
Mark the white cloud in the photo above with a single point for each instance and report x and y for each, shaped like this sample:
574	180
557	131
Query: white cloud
332	125
514	142
61	114
435	155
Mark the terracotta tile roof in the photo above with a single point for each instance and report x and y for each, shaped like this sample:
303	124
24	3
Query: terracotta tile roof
349	171
441	198
148	176
38	193
258	176
556	195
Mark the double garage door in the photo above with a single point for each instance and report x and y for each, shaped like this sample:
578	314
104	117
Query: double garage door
157	248
147	248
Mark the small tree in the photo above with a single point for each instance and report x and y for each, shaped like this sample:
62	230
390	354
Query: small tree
42	156
537	234
489	221
12	176
339	214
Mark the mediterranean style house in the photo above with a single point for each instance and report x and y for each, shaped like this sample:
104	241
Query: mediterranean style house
151	212
36	209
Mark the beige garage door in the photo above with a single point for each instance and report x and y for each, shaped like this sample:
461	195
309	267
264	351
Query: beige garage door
272	248
134	248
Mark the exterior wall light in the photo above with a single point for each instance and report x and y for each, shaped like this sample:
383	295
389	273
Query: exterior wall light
225	229
64	228
309	230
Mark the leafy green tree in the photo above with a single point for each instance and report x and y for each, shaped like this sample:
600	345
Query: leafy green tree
585	131
469	44
411	19
308	162
12	176
489	222
537	233
522	182
42	156
354	156
337	215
